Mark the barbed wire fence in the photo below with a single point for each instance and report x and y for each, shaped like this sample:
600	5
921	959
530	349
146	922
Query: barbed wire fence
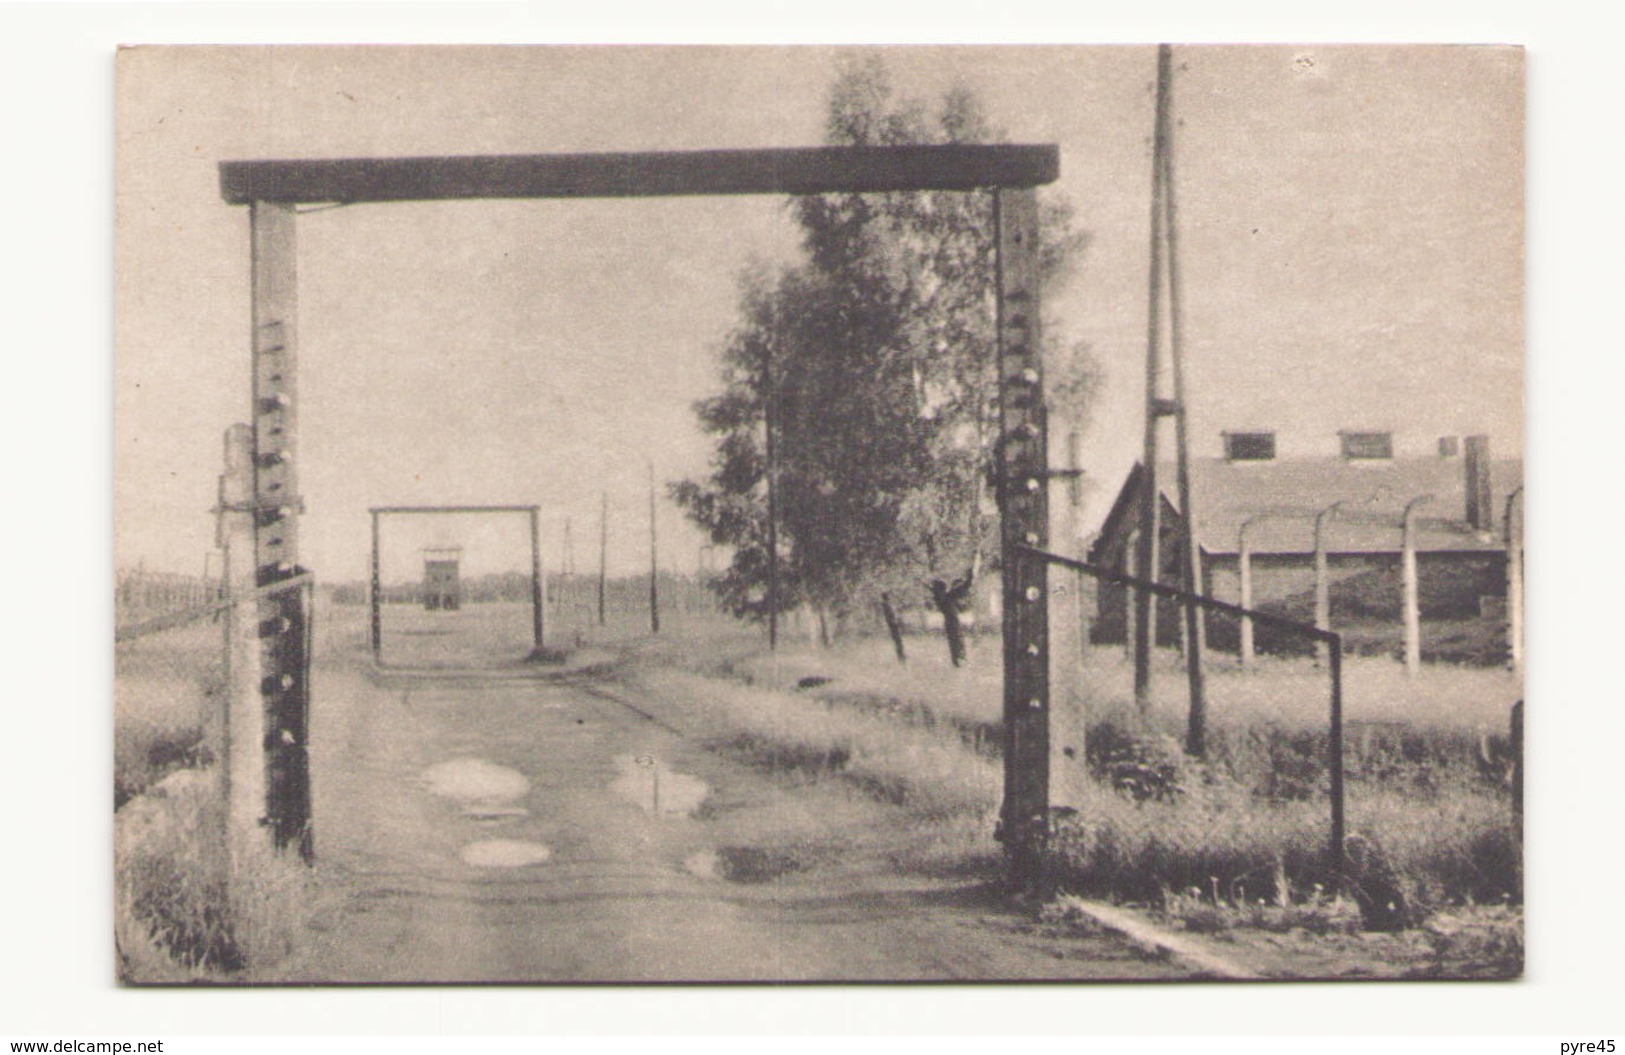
191	873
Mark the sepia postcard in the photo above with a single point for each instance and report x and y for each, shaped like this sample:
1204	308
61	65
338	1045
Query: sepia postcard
759	514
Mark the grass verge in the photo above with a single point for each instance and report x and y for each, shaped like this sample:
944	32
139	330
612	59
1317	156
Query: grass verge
1243	835
927	770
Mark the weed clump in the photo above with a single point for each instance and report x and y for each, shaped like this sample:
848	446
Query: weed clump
1318	914
170	889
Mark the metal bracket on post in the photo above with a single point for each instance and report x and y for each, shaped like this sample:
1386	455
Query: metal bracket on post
1024	521
284	651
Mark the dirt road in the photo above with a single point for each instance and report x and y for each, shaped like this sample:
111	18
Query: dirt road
503	828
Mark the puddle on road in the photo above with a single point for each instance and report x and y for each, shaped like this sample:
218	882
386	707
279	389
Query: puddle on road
504	853
486	791
476	782
740	864
648	784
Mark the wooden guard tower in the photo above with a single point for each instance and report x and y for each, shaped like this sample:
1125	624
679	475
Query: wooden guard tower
442	587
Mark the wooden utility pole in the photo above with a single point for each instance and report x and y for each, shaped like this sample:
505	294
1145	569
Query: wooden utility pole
1145	606
654	559
1190	578
603	552
1409	592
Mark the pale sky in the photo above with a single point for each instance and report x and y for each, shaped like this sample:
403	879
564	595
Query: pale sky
1351	230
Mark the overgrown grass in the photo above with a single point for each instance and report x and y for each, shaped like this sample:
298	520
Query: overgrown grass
186	910
1291	693
1217	840
1427	768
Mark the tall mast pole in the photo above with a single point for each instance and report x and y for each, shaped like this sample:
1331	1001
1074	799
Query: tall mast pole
1145	610
1190	576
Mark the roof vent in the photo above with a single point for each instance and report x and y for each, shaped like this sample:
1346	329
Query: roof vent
1368	446
1450	446
1249	446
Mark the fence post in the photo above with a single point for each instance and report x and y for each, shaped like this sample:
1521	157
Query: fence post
603	552
1514	564
538	582
1130	567
1069	718
1335	761
244	734
375	598
1516	736
1409	587
1323	588
1244	571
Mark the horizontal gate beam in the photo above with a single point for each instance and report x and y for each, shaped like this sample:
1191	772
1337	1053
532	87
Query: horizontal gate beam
801	170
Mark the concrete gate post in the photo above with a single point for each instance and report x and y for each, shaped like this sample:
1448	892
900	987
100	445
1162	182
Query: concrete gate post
243	753
1069	716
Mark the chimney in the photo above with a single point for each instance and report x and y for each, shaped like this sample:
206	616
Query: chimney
1476	465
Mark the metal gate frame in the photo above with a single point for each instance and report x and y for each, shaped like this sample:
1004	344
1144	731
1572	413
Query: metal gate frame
273	190
538	588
